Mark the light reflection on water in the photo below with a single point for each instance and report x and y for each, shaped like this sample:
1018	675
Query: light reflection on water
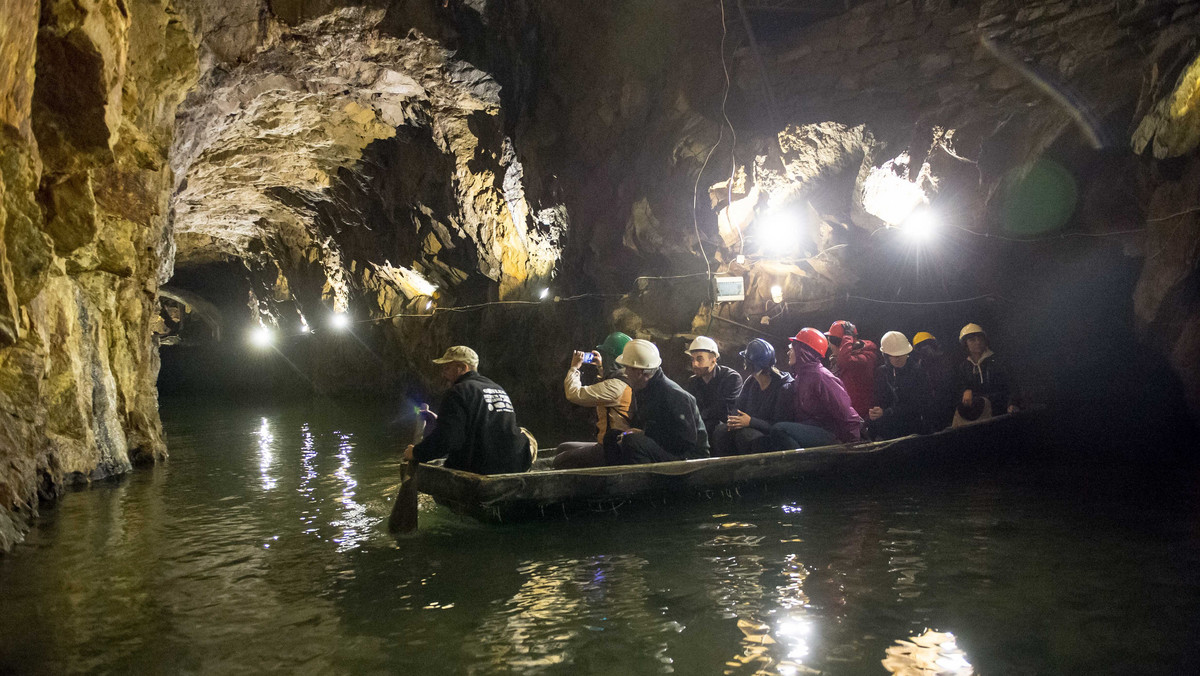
266	454
354	522
260	546
933	653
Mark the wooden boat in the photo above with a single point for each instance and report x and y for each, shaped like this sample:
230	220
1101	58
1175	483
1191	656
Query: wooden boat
544	491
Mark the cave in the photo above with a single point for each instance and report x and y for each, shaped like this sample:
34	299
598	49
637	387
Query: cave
253	224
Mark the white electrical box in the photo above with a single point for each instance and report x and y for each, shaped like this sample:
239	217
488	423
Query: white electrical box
730	289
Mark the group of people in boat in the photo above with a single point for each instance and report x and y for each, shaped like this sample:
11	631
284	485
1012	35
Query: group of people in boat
837	388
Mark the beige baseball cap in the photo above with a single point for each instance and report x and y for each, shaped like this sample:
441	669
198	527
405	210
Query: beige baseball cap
459	353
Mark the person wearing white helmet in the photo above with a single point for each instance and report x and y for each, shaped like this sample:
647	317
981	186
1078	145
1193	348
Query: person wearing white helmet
666	423
715	386
983	384
903	395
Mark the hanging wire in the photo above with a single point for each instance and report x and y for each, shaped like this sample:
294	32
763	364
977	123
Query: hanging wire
733	143
1185	212
720	137
1048	238
986	296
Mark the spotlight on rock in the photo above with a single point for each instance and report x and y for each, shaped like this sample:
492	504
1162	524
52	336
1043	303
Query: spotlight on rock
340	321
779	232
921	226
262	336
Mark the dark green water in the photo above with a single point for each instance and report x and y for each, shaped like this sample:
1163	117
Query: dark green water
260	547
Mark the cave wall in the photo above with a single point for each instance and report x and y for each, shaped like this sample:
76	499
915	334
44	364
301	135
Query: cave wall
88	94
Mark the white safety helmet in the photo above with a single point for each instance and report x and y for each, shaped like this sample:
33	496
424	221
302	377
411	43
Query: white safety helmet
894	344
970	330
640	354
704	343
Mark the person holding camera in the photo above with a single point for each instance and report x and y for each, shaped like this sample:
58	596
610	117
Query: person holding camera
611	397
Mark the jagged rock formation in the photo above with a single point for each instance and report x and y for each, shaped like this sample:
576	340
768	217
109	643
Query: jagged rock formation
389	158
89	90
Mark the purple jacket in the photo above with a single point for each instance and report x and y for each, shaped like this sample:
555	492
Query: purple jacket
820	399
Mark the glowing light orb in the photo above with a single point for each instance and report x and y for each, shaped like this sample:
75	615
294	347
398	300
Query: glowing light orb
921	226
779	232
262	336
544	294
340	321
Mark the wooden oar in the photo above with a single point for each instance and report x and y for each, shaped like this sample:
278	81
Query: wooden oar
404	511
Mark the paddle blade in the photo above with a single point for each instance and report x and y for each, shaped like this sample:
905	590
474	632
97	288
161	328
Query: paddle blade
404	512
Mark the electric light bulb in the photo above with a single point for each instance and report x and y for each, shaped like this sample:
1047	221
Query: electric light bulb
262	336
340	320
921	226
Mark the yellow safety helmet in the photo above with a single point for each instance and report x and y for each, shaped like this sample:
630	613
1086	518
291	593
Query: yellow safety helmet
923	336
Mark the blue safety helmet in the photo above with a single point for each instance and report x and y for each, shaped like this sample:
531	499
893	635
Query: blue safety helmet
759	355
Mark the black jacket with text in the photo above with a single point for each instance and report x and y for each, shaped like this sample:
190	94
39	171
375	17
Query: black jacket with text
477	430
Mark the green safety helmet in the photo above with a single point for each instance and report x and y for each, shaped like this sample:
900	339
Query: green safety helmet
613	345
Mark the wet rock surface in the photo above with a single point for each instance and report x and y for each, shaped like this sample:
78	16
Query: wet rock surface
430	168
89	95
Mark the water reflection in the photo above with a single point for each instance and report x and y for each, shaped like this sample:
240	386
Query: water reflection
578	611
266	454
776	629
308	456
932	653
354	523
905	561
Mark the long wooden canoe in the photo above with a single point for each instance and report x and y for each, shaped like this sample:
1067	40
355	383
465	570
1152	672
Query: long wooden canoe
548	492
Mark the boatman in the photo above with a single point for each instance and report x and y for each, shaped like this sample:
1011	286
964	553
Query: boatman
666	422
476	428
715	386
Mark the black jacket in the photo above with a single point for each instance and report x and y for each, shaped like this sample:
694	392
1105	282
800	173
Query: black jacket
941	381
765	407
669	416
906	398
716	399
477	430
988	379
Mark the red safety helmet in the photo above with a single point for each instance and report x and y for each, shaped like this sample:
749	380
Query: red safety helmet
812	338
841	328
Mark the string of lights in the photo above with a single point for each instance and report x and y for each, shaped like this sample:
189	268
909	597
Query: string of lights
264	336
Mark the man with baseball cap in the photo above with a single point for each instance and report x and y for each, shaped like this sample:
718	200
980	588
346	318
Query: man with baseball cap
476	425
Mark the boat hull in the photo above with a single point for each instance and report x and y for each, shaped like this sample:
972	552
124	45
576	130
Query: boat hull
550	493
